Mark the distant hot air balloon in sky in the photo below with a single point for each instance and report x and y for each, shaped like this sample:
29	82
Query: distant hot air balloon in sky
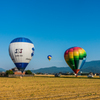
75	57
21	51
49	57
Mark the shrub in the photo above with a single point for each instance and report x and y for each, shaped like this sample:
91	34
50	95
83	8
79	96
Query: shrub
28	72
9	72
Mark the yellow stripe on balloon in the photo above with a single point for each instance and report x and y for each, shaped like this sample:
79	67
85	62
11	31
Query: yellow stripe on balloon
49	58
81	51
70	54
76	53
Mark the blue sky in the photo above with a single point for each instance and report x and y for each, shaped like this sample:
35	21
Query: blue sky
53	26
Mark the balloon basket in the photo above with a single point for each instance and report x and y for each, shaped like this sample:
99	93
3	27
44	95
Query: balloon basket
76	75
21	76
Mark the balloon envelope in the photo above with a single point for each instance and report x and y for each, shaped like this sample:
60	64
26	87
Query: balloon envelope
49	57
21	51
75	57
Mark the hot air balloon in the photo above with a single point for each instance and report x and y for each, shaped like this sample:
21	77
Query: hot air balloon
75	57
21	51
49	57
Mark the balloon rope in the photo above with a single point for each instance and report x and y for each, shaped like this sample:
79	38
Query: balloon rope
76	75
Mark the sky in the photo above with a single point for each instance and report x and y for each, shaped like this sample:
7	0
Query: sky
53	26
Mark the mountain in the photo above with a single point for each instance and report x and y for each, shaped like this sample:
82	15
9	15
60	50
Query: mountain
53	69
92	66
1	70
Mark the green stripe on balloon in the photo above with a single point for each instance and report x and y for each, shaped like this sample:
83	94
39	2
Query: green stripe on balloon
72	64
76	57
85	54
69	64
81	55
76	63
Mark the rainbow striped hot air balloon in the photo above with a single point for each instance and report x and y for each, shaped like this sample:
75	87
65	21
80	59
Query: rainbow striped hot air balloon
49	57
75	57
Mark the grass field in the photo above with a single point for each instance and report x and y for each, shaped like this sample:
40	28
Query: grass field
50	88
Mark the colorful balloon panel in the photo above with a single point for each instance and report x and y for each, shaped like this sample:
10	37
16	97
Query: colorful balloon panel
21	51
75	57
49	57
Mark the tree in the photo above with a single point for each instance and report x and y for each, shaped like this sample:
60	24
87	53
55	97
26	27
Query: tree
9	72
28	72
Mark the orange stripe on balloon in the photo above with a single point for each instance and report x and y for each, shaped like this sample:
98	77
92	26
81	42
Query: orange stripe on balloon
66	57
49	57
70	54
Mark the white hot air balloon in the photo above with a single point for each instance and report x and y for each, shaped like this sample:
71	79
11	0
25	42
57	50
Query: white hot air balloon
21	51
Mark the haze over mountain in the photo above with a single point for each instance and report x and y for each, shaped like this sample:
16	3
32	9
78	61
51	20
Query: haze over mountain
1	70
92	66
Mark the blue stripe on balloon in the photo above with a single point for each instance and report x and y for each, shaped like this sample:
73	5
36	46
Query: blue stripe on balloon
84	60
21	39
32	52
21	66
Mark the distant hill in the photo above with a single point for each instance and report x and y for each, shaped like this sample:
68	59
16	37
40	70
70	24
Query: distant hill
53	69
92	66
1	70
